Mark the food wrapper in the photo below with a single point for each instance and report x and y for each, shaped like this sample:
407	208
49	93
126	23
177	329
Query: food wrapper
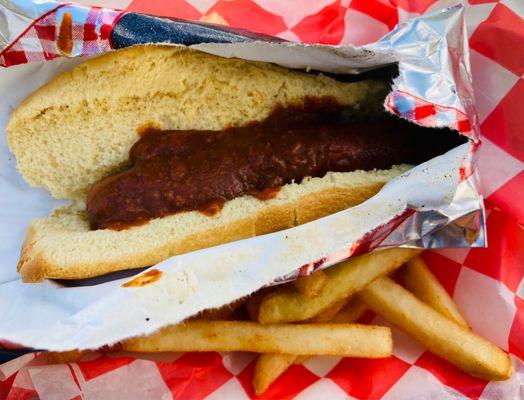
433	206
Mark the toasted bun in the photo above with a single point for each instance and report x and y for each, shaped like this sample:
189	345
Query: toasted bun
80	126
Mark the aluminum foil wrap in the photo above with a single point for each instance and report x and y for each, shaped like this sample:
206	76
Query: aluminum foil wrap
433	205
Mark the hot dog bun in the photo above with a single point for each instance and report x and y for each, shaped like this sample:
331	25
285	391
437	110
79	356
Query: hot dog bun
63	247
80	126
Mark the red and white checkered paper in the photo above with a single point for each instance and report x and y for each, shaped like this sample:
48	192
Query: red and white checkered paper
487	284
90	35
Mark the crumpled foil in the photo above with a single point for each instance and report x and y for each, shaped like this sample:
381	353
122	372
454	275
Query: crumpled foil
434	205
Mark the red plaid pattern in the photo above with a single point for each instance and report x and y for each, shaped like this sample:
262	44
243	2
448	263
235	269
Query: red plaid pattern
91	30
427	114
487	284
93	35
36	43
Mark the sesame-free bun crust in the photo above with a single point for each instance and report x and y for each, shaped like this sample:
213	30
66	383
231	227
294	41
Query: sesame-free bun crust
79	128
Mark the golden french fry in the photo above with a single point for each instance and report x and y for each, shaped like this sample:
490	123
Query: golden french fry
329	313
329	339
350	313
287	304
311	285
437	333
270	366
419	280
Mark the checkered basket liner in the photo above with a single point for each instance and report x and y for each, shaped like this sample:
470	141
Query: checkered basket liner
487	284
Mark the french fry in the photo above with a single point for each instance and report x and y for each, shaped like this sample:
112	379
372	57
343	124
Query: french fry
329	339
350	313
270	366
329	313
311	285
288	305
419	280
437	333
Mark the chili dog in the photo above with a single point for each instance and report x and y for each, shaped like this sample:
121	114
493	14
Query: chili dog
165	150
